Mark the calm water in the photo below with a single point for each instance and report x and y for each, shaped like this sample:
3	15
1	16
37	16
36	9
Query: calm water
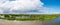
50	22
5	22
53	22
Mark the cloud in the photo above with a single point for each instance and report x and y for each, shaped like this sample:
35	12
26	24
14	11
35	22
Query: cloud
21	6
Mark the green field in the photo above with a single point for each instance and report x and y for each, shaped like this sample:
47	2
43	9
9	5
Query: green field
24	17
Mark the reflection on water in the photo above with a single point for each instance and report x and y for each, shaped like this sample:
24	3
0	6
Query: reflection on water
50	22
5	22
53	22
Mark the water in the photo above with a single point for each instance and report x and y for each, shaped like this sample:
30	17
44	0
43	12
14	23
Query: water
5	22
52	22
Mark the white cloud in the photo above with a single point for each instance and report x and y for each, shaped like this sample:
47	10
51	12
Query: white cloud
21	6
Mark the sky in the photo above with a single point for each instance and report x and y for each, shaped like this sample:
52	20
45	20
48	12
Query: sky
54	5
29	6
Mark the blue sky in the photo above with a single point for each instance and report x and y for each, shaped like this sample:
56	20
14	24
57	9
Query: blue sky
52	4
30	6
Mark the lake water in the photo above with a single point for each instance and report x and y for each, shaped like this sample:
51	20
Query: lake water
5	22
35	22
52	22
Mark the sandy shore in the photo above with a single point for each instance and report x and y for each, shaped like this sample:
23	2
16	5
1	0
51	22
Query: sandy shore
6	22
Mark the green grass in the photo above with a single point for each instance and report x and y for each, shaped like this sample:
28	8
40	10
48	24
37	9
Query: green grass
30	16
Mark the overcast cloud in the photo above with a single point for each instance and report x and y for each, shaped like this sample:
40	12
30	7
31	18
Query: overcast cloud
21	6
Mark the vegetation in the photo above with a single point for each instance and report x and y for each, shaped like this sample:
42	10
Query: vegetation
24	17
